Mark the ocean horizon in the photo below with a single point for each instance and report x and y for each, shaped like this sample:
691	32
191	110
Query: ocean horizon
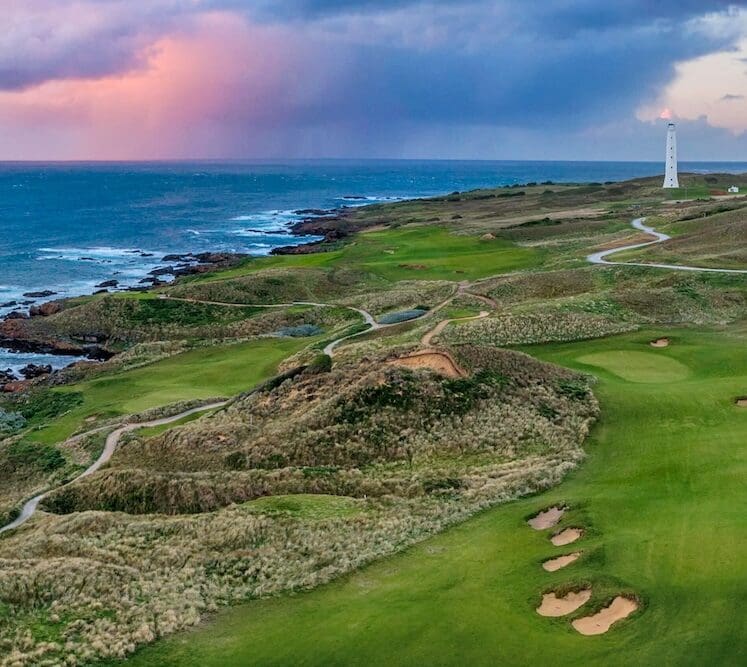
66	227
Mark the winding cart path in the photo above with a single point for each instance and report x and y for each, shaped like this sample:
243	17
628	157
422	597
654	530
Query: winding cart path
640	225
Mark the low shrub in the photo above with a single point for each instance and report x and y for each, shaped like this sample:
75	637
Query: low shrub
24	454
11	422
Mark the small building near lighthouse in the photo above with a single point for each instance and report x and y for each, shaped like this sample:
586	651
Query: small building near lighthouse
734	190
671	179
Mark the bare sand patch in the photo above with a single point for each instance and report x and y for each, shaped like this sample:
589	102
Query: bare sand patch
599	623
437	361
413	267
567	536
555	564
660	342
741	402
554	606
547	518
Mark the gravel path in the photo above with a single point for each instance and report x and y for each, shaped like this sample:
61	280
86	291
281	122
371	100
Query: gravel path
640	225
112	440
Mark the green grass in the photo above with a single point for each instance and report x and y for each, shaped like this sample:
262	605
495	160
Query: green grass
200	373
661	496
635	366
409	253
306	506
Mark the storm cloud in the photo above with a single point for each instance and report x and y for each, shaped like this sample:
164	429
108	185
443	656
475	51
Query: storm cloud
384	68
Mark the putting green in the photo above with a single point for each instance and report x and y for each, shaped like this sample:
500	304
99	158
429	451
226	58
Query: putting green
658	497
636	366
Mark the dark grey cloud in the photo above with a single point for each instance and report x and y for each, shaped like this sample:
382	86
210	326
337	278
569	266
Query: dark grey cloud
558	14
729	97
400	67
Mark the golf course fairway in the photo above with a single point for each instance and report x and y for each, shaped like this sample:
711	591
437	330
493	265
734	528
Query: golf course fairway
660	497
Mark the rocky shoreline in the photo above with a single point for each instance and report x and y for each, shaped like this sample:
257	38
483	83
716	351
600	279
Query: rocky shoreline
14	336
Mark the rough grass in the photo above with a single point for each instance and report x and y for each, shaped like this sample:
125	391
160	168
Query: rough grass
657	498
509	429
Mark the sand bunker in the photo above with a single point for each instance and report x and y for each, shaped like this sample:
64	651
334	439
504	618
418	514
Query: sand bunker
566	536
555	564
440	362
600	622
547	518
741	402
555	606
660	342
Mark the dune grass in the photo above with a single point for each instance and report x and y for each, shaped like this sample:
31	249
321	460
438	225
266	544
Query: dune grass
408	253
201	373
659	497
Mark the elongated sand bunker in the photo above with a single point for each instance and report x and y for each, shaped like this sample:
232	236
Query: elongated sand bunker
741	402
547	518
554	606
437	361
555	564
660	342
567	536
602	621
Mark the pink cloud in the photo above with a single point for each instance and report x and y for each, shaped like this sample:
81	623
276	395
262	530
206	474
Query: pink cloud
198	90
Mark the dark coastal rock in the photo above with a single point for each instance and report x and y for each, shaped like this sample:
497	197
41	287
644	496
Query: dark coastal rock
16	315
108	283
163	271
39	295
7	376
46	309
9	304
146	254
101	291
217	257
354	197
86	259
31	371
313	211
303	249
189	257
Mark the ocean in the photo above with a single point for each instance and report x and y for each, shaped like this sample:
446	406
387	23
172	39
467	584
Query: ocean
67	227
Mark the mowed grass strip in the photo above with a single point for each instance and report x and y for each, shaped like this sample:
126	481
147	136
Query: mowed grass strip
409	253
661	498
202	373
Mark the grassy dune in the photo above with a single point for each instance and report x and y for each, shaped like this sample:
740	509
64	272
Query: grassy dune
658	496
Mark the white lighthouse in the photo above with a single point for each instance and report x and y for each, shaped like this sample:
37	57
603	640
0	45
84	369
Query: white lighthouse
670	175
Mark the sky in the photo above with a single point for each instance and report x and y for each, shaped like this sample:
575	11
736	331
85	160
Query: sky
473	79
